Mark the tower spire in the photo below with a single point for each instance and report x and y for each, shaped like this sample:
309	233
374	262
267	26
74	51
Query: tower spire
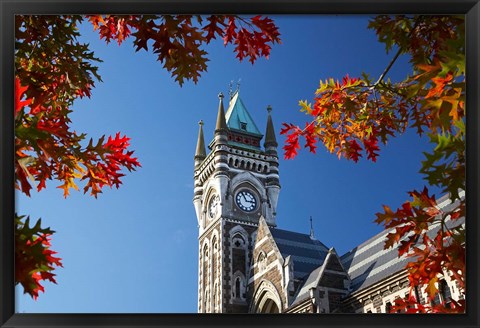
200	152
312	236
270	140
221	122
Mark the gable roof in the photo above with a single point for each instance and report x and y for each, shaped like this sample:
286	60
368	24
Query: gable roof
313	279
369	263
239	119
307	254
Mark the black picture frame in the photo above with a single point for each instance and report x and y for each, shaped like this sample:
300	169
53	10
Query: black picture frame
9	8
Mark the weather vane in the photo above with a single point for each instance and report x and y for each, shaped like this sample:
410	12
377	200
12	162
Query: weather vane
231	93
238	85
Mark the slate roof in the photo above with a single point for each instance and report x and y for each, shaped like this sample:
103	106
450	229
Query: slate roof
237	114
307	254
311	281
369	263
314	278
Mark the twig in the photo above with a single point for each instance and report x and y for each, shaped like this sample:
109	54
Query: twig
400	49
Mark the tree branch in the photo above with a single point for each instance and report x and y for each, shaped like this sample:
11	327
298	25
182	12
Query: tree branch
417	21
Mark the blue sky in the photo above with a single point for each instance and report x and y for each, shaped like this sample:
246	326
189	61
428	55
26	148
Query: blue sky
134	250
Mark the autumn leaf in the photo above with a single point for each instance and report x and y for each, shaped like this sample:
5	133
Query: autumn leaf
54	68
292	143
19	95
353	112
34	260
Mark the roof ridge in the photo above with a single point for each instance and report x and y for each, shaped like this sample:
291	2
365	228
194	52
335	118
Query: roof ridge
438	200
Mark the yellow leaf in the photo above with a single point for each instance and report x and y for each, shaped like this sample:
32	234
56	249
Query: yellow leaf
431	288
454	112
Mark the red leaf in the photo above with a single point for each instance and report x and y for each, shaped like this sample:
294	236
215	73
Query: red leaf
19	94
230	31
371	147
213	27
34	260
291	144
352	150
310	137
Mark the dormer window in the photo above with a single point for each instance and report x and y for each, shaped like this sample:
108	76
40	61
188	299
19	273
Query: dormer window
243	126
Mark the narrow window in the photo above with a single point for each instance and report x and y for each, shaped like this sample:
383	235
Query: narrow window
237	288
215	298
418	295
388	307
445	293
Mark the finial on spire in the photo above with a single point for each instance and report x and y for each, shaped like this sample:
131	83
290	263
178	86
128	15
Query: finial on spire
312	236
221	125
200	152
270	139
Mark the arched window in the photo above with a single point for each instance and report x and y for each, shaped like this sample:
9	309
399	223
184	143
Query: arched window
238	290
238	241
239	262
237	287
207	300
215	291
266	299
214	256
205	277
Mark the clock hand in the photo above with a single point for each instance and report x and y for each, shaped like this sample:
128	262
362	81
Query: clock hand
244	197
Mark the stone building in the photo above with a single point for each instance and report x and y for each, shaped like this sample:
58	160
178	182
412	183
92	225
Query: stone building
248	265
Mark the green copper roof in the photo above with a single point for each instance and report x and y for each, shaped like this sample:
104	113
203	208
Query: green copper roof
238	118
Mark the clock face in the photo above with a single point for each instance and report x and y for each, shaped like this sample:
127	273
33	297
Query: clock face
213	206
246	200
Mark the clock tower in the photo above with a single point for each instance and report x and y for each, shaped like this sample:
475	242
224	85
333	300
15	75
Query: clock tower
235	185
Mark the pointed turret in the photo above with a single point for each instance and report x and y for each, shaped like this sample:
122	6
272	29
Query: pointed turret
273	183
221	122
200	152
270	139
